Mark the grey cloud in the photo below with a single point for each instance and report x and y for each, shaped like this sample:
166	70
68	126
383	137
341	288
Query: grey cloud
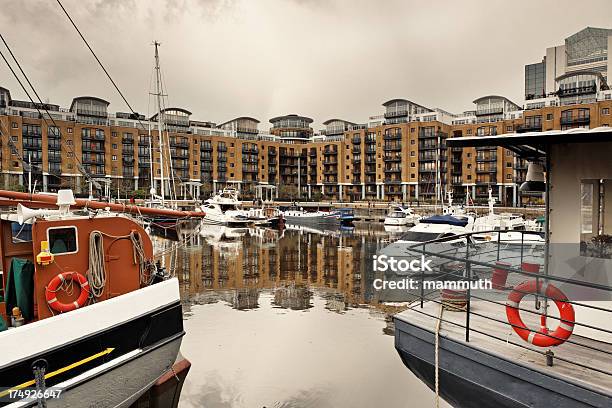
336	58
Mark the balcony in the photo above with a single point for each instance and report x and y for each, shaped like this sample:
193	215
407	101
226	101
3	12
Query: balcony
329	152
222	159
330	171
143	142
356	149
222	148
127	140
253	150
356	140
93	160
181	154
272	152
370	171
392	158
356	170
393	148
181	143
90	112
482	158
394	136
251	159
330	161
529	127
249	169
93	148
206	157
32	144
485	170
271	170
207	147
490	111
389	180
581	90
393	169
128	161
395	114
221	168
579	120
55	158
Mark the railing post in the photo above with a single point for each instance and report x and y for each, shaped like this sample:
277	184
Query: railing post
468	306
422	282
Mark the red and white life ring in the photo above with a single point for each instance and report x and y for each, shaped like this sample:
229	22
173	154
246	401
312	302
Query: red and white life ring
55	283
541	338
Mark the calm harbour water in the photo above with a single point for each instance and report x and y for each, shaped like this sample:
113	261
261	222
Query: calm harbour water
288	320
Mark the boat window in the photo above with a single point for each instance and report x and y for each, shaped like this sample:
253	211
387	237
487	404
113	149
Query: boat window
21	233
413	236
595	232
396	214
62	240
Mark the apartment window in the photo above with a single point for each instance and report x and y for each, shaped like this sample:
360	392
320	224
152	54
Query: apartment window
195	162
69	142
70	154
412	141
508	128
605	111
469	165
509	164
114	157
412	153
14	125
469	176
469	155
469	131
15	138
594	229
411	130
115	146
549	116
114	134
69	130
412	175
412	164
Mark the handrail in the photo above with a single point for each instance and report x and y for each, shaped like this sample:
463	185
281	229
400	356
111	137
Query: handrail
463	264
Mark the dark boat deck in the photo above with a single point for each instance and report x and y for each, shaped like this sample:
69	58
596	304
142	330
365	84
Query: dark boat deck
597	355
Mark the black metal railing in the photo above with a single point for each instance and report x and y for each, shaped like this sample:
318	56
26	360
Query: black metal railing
471	256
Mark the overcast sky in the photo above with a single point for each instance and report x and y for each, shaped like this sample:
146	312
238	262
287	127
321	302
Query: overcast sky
323	59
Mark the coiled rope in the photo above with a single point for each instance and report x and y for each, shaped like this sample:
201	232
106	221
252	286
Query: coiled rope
96	274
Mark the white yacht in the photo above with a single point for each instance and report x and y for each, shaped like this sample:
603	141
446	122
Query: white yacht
507	224
224	208
298	215
401	215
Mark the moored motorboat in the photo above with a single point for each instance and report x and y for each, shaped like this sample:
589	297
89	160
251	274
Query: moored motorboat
401	216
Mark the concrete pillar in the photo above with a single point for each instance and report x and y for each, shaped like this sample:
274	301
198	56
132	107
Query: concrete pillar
135	183
474	192
382	191
214	187
416	192
500	193
363	191
309	192
78	184
340	191
404	187
45	182
514	196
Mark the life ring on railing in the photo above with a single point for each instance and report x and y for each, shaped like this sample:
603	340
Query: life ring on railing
541	338
55	283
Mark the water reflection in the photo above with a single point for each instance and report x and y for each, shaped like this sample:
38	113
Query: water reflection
287	319
289	262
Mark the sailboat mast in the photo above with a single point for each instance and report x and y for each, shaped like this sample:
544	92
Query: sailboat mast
159	122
